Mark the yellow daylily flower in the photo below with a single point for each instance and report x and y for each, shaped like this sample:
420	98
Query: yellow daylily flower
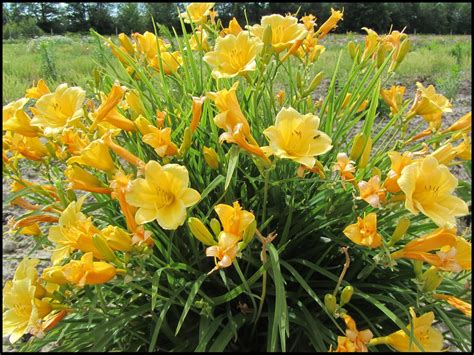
311	48
9	110
429	337
125	43
88	272
80	179
345	166
95	155
309	21
355	340
148	44
198	41
211	157
234	28
393	97
286	31
74	140
464	124
225	251
29	147
160	139
295	136
134	101
234	219
330	23
197	12
364	232
453	252
430	105
464	149
37	91
55	111
428	187
399	162
21	123
371	191
463	306
170	61
444	154
163	195
371	43
234	55
213	14
117	238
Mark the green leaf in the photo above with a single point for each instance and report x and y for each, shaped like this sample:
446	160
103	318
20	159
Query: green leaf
189	301
226	335
233	159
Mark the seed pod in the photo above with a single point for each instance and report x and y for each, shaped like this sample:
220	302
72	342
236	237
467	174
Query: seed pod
199	230
364	159
215	226
357	146
330	303
211	157
101	244
400	230
346	295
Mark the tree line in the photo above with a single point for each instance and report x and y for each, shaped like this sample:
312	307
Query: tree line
31	19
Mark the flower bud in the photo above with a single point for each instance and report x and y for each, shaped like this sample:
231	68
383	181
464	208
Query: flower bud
364	159
200	232
330	303
126	43
101	244
464	123
444	154
432	279
380	56
187	140
211	157
267	44
215	226
376	171
346	295
357	146
404	48
353	49
314	83
117	238
400	230
54	274
299	81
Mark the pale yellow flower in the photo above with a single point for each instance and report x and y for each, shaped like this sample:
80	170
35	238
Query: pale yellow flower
309	21
399	162
234	28
364	232
464	124
198	41
393	97
37	91
160	139
21	123
428	187
330	23
295	136
286	31
117	238
170	61
163	195
55	111
9	110
345	166
197	12
430	105
355	340
148	44
95	155
234	55
80	179
464	149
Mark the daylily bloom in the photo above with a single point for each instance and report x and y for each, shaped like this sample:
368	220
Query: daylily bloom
345	166
399	162
330	23
9	110
160	139
163	195
444	154
95	155
225	251
80	179
197	110
309	21
364	232
211	157
393	97
29	147
233	28
120	185
429	337
464	149
428	187
295	136
117	238
286	31
453	253
372	41
234	55
134	101
148	44
464	124
355	340
88	272
371	191
430	105
463	306
59	109
197	12
20	123
198	41
170	61
37	91
74	140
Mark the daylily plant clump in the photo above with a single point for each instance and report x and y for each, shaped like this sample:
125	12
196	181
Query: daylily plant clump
198	195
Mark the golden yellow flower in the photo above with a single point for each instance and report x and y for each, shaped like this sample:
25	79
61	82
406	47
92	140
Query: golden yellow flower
453	253
233	28
309	21
126	45
95	155
9	110
464	149
233	218
170	61
198	41
148	44
234	55
80	179
345	166
29	147
160	139
355	340
88	272
74	140
295	136
444	154
393	97
163	195
211	157
21	123
464	124
430	105
37	91
197	12
371	43
463	306
430	338
399	162
364	232
311	48
286	31
55	111
428	187
371	191
197	110
330	23
132	97
117	238
225	251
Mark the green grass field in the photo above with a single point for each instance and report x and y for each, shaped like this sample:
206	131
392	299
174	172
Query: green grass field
444	61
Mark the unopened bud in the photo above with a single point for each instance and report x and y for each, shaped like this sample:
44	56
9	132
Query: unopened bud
444	154
364	159
211	157
126	43
432	279
200	232
101	244
352	49
400	230
314	84
299	81
376	171
357	146
380	56
330	303
187	140
267	44
404	49
346	295
215	226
